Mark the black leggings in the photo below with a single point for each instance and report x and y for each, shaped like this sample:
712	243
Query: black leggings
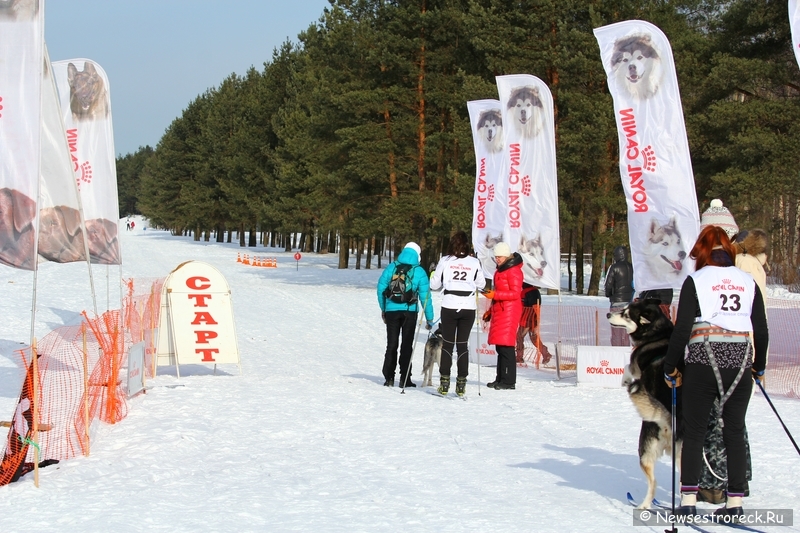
455	329
699	392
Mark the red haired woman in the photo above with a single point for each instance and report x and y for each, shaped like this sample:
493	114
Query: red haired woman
718	309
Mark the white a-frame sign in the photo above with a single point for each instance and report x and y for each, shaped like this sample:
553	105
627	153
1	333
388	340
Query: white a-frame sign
196	320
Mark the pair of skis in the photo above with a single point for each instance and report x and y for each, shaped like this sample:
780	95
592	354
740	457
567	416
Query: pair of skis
663	507
447	396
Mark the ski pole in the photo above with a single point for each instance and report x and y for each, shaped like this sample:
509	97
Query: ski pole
760	386
414	343
478	338
674	439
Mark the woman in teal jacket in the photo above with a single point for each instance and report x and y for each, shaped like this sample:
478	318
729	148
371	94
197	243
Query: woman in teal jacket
400	317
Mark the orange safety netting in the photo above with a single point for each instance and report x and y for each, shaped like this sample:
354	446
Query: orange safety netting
142	306
565	327
106	388
63	371
82	376
19	433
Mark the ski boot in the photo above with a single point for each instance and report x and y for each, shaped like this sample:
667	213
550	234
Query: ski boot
461	386
444	385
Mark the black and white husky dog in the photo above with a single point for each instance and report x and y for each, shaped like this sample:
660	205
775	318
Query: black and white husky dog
433	354
650	330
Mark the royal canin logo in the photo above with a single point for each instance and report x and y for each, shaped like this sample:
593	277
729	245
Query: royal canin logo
481	196
526	186
490	195
630	154
726	281
486	349
605	369
83	171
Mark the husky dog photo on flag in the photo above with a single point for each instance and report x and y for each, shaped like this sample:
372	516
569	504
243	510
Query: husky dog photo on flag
654	160
636	66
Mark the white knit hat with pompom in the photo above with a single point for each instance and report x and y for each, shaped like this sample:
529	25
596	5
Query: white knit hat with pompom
718	215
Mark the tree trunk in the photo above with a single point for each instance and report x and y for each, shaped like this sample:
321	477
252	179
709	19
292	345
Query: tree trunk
344	252
358	243
387	119
569	261
579	252
242	242
421	108
197	233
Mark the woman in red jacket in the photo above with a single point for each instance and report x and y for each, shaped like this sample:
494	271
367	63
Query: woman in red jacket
505	312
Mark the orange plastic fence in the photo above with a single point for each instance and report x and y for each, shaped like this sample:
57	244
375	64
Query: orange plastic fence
82	371
63	374
565	327
94	353
106	388
142	306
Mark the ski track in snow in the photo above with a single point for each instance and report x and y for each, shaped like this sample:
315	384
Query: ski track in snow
307	439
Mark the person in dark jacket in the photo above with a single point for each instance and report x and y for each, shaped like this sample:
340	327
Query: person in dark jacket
400	318
664	296
720	307
529	324
505	313
619	290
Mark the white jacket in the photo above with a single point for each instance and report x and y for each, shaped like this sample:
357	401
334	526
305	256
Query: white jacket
460	277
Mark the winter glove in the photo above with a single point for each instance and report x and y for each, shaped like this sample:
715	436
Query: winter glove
428	325
487	316
383	317
489	294
759	376
674	375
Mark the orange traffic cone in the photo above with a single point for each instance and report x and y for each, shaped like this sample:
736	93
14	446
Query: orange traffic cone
238	257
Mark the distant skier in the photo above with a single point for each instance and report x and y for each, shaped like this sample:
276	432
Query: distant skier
619	290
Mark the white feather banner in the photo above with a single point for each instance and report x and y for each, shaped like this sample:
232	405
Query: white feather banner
21	62
654	160
532	225
794	21
489	201
61	228
85	103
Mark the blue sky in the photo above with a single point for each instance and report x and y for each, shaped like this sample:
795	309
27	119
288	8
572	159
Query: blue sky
160	54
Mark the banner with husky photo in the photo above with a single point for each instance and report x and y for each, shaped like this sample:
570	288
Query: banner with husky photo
532	226
61	234
655	165
21	44
86	107
489	201
794	21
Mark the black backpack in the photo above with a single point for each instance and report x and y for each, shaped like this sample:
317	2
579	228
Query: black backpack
399	289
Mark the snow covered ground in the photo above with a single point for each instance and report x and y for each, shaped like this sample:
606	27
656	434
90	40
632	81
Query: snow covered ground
308	439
